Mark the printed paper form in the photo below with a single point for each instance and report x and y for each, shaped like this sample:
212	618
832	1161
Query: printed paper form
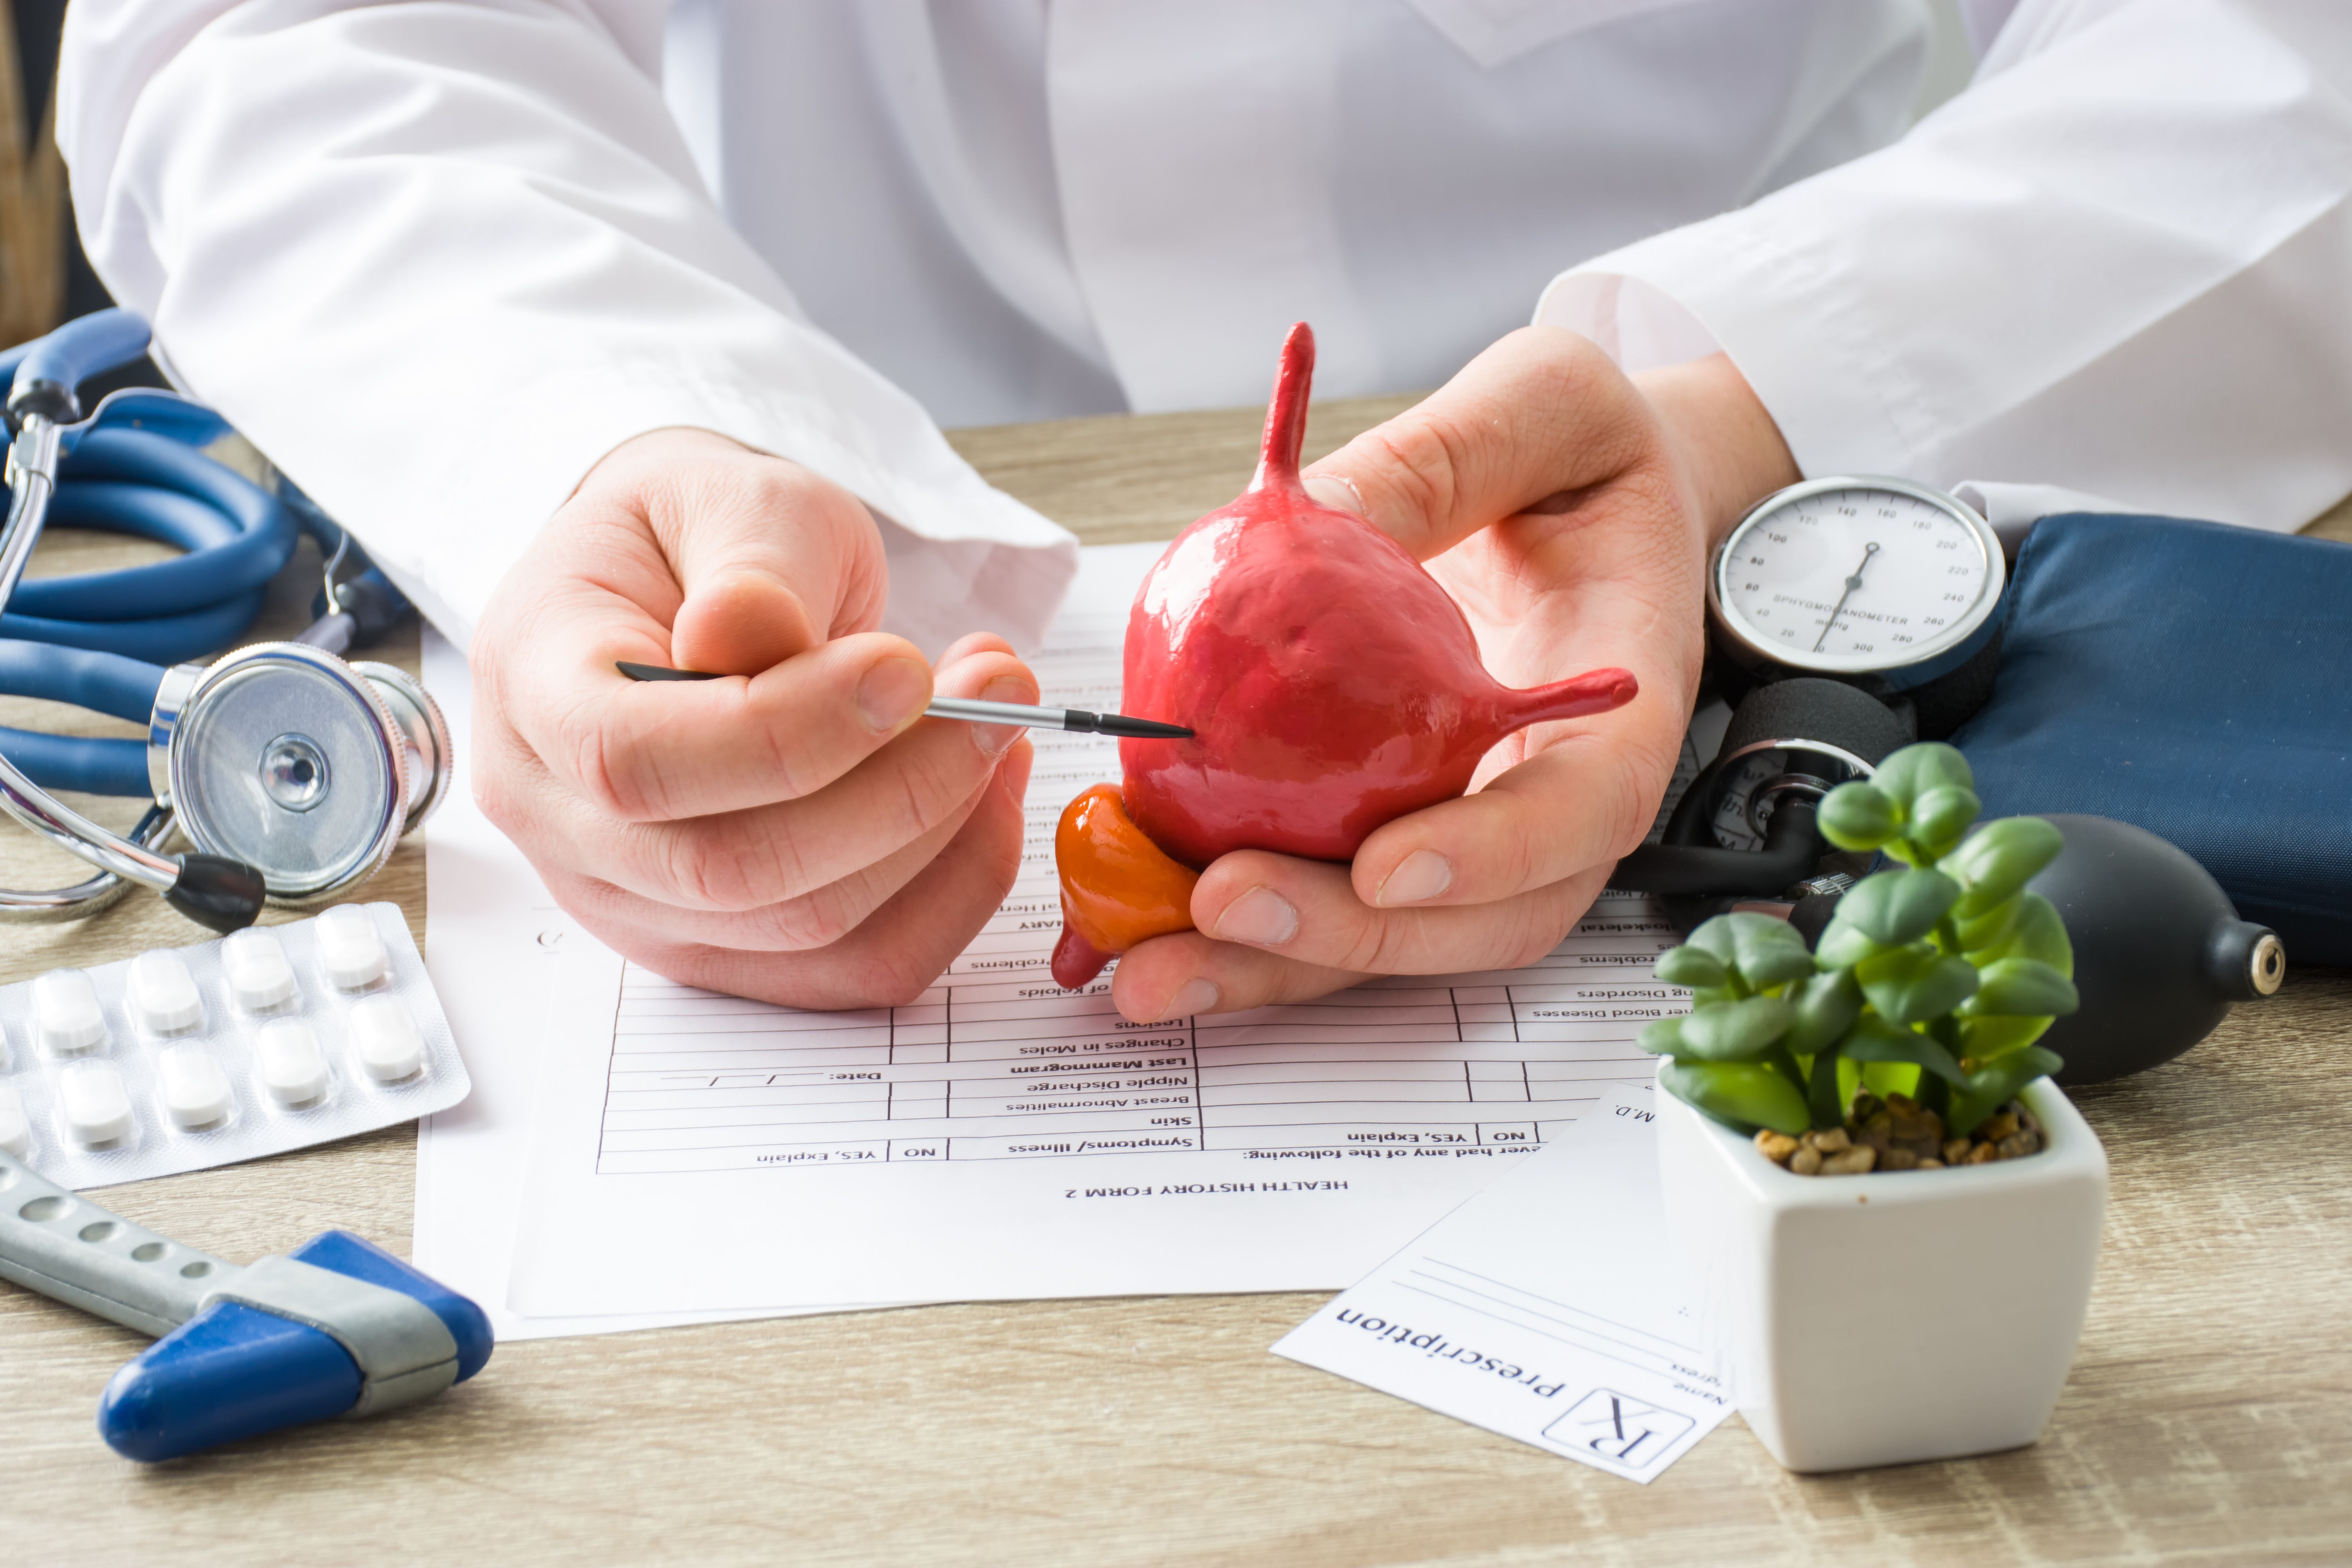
494	940
1552	1308
1388	1102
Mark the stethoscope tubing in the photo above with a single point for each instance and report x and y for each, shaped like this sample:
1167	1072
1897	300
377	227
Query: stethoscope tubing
101	640
234	535
82	677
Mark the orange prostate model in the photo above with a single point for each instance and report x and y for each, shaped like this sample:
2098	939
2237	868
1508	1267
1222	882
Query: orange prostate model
1117	887
1330	684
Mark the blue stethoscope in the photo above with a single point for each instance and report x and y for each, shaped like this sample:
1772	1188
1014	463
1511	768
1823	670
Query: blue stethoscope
290	773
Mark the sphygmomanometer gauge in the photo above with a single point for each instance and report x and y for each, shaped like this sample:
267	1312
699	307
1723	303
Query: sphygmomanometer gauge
1881	583
1878	584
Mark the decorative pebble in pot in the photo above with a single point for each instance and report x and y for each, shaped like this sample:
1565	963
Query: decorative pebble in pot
1893	1212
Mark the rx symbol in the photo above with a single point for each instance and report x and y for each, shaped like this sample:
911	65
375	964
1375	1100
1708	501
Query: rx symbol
1619	1428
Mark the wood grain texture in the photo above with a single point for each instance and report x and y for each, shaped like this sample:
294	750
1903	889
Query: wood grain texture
2206	1420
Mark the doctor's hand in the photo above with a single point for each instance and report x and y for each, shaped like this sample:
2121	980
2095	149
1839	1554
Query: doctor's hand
1569	510
802	835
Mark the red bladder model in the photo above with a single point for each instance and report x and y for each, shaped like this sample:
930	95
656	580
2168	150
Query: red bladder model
1330	684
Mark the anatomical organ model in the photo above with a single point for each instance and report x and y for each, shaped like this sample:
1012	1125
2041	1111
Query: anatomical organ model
1330	684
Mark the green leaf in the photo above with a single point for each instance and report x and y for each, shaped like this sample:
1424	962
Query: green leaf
1982	1039
1761	949
1742	1094
1825	1094
2000	857
1842	947
1895	906
1826	1006
1909	773
1692	966
1735	1031
1942	814
1882	1078
1990	1086
2038	933
1859	816
1988	927
1769	952
1713	938
1911	985
1877	1041
1661	1036
2021	988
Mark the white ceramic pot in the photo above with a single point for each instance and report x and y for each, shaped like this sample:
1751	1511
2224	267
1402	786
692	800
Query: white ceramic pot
1884	1319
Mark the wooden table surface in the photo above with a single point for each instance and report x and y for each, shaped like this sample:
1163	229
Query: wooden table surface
2209	1418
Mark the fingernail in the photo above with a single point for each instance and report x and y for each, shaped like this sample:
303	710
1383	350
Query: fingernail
1337	491
1195	995
1423	873
993	739
1261	917
893	692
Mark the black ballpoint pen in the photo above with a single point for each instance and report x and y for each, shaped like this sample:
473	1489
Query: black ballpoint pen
1075	719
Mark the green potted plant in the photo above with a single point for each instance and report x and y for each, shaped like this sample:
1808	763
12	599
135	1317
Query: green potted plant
1852	1315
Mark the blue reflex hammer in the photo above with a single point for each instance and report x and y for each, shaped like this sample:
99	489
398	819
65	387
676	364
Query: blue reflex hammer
337	1327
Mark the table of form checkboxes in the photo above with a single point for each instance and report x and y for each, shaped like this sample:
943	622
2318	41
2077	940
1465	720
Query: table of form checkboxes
1001	1064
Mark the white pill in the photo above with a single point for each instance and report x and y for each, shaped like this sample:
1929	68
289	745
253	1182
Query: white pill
97	1106
259	975
162	993
194	1089
15	1132
387	1039
66	1013
292	1067
349	949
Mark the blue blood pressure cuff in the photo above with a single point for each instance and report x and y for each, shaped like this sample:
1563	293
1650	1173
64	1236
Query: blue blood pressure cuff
2196	680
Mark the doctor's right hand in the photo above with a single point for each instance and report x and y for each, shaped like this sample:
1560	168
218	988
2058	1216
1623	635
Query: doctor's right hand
800	836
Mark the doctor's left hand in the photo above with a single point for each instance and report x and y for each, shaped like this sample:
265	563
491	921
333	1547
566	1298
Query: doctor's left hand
1568	511
800	836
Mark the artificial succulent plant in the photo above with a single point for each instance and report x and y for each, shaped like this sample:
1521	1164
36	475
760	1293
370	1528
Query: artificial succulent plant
1933	980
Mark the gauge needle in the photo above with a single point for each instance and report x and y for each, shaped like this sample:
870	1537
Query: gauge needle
1851	584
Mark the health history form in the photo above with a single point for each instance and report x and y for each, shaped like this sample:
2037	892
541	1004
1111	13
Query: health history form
1370	1112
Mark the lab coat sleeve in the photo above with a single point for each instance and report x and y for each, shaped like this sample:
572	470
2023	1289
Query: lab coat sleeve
2116	263
437	259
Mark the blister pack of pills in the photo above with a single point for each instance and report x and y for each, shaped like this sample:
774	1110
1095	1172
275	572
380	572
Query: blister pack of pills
273	1038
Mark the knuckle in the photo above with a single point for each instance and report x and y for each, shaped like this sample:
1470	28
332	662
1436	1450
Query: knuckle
886	977
730	867
935	782
1426	459
1632	808
586	751
819	919
1382	945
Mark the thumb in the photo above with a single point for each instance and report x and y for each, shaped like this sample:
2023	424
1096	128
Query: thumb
740	620
771	560
1541	412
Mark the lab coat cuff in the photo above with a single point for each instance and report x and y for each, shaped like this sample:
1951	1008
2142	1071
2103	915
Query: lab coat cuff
1775	306
963	556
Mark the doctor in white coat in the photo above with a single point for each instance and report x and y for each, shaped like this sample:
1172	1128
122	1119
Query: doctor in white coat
621	330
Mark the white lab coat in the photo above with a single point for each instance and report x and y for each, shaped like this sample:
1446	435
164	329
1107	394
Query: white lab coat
437	259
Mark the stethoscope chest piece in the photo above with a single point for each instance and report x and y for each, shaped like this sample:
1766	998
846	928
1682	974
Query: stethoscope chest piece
284	757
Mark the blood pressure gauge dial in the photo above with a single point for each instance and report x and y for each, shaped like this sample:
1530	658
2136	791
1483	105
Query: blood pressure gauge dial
1879	582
